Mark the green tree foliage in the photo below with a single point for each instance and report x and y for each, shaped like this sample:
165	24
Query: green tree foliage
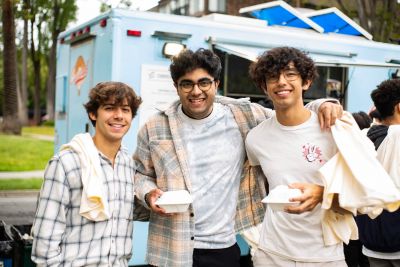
106	5
62	12
39	43
378	17
44	21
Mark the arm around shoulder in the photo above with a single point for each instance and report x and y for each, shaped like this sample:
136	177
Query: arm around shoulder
261	113
328	111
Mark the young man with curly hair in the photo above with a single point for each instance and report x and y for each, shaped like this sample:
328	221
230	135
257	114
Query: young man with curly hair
290	148
85	211
381	236
197	144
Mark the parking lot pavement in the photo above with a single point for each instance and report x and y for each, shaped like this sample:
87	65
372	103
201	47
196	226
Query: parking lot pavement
18	207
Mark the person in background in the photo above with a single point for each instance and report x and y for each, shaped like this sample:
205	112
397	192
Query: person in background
290	148
197	144
85	211
381	236
363	120
375	116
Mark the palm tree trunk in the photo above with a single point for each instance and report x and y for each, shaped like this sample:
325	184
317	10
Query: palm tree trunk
10	122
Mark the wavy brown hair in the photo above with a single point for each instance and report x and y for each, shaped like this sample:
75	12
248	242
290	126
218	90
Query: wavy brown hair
117	91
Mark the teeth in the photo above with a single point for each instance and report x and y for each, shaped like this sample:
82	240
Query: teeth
116	125
282	92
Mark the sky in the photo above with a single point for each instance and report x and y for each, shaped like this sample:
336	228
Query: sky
88	9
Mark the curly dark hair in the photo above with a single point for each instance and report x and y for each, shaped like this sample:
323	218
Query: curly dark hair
386	96
272	62
362	119
374	114
117	91
187	61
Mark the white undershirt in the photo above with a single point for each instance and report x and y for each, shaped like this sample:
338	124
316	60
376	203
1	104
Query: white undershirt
215	151
381	255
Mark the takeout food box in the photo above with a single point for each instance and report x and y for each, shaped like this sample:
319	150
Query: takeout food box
175	201
278	198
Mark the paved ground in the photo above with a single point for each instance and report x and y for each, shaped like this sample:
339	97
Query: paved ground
18	207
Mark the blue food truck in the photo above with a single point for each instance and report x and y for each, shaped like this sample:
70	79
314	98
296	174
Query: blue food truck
135	48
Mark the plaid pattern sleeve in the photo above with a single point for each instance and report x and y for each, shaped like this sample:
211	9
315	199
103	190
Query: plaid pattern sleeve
50	222
145	176
62	237
170	239
316	104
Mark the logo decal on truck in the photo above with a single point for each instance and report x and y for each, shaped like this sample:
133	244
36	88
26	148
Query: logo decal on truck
79	73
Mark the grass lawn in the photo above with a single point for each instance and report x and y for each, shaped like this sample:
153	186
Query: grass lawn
20	184
19	153
45	130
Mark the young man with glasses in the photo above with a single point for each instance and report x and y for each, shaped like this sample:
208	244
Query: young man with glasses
290	148
197	144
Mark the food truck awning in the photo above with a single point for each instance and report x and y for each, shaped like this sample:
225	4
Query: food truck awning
280	13
333	20
321	59
323	21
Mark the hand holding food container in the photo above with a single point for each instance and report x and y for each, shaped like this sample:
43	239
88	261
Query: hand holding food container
174	201
278	198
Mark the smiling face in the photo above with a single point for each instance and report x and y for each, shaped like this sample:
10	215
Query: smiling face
197	103
112	121
286	89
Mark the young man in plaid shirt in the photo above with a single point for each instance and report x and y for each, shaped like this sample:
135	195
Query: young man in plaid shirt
197	144
65	233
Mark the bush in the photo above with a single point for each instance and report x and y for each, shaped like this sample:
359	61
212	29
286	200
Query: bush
48	123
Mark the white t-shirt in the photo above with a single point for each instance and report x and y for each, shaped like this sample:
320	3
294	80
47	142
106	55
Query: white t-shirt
290	154
215	154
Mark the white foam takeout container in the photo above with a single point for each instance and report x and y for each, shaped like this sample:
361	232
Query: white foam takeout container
278	198
174	201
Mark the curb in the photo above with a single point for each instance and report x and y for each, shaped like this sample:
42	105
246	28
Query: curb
40	137
19	193
22	175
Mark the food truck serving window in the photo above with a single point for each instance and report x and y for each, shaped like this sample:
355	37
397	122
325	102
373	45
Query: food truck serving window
332	68
235	80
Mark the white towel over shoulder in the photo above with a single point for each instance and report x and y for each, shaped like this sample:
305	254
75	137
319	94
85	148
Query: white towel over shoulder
358	178
94	202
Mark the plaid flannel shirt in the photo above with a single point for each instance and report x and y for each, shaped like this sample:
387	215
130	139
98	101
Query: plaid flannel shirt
162	162
62	237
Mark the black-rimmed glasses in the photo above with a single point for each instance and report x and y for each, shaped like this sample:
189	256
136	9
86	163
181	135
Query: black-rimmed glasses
204	85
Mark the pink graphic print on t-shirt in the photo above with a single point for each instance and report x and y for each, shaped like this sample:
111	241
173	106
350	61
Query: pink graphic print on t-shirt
312	153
